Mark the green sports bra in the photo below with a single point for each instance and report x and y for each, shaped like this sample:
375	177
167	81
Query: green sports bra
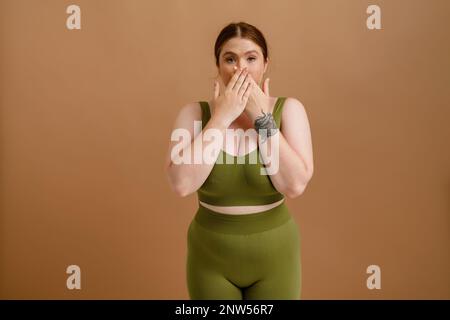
235	180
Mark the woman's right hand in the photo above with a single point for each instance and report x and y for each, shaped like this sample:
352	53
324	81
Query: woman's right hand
230	101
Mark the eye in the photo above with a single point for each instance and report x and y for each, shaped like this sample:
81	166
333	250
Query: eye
229	59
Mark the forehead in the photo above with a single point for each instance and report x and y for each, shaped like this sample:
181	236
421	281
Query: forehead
240	46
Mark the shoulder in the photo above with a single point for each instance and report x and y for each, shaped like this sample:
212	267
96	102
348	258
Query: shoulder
293	108
291	103
187	115
191	109
293	114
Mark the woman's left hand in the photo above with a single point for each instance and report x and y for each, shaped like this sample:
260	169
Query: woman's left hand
259	99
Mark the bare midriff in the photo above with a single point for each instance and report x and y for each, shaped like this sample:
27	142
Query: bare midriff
241	209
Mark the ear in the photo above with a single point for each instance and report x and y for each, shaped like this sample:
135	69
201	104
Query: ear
266	64
266	86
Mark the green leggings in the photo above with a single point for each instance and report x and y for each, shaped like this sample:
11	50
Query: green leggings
243	257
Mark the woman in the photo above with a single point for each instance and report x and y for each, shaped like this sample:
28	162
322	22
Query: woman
243	242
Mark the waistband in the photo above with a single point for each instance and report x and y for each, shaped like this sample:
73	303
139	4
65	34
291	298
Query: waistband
242	223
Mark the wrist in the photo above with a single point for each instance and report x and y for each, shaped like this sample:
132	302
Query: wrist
219	122
265	135
265	126
253	115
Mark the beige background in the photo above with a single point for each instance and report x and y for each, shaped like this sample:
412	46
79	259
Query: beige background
86	117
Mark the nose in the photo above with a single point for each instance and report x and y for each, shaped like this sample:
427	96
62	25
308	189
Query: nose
242	65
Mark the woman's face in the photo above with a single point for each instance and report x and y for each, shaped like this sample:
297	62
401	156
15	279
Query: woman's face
241	52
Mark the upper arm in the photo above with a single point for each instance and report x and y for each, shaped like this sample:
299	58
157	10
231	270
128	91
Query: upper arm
296	130
185	120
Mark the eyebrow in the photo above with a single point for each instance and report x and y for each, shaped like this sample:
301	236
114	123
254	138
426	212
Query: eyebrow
230	52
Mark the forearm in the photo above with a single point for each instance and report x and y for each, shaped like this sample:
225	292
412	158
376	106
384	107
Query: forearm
186	178
292	174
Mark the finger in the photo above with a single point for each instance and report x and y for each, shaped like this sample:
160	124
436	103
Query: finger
244	86
240	80
254	82
234	78
247	92
255	87
266	86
